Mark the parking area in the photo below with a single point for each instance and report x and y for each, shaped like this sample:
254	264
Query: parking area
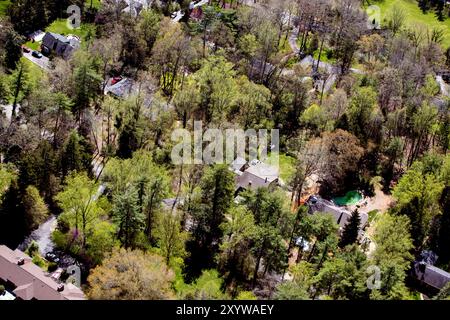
43	62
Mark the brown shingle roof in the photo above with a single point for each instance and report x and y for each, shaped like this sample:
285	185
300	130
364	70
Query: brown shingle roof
30	280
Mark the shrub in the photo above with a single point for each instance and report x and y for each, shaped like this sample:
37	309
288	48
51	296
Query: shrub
33	249
52	266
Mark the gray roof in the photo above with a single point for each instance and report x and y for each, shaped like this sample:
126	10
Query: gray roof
340	214
431	275
121	89
59	37
61	45
259	175
238	164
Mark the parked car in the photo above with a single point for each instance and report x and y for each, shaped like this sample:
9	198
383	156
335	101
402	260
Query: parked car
51	257
25	49
36	54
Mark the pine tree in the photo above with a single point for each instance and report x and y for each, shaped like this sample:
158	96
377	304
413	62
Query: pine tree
13	49
36	210
350	232
128	217
74	156
217	187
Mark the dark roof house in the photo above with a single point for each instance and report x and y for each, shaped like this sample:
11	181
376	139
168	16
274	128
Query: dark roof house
59	45
340	214
31	282
431	279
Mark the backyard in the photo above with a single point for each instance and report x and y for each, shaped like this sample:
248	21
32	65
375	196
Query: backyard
60	26
414	15
286	165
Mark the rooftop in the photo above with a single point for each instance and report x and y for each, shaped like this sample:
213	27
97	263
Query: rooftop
340	214
257	175
30	280
431	275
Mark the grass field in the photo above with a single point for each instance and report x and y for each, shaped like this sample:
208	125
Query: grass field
414	16
287	166
33	45
35	72
60	26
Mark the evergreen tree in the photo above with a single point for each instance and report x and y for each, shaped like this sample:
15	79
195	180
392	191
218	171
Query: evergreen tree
217	190
74	156
36	210
13	49
20	85
351	230
128	217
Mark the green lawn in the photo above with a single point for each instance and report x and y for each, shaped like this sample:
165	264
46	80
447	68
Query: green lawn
33	45
414	16
287	166
3	6
60	26
36	73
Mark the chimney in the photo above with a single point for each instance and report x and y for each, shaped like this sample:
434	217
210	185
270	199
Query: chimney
266	180
60	288
21	262
250	183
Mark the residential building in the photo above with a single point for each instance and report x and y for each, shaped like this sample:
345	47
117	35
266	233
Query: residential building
257	175
27	281
429	278
340	214
59	45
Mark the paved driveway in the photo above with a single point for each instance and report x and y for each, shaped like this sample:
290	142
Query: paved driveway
43	62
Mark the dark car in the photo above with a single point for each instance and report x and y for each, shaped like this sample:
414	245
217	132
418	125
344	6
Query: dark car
51	257
36	54
25	49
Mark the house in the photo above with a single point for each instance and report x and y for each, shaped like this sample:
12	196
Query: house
26	281
238	166
429	278
341	215
120	87
59	45
257	175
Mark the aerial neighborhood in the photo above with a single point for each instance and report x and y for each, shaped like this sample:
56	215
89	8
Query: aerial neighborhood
116	116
